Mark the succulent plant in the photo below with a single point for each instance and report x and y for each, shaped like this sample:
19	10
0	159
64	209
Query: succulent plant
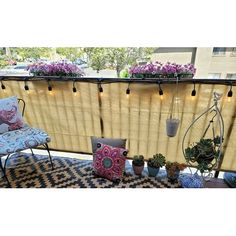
157	161
173	167
204	152
138	160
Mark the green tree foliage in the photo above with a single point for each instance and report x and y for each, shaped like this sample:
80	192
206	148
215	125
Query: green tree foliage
120	58
116	58
2	51
97	58
3	63
70	53
32	52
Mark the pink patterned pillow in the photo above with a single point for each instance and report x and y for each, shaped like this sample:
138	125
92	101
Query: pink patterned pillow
10	116
109	162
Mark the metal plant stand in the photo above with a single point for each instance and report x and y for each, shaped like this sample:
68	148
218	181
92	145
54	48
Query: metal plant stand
215	122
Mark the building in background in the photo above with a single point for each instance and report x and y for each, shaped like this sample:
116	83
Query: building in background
214	62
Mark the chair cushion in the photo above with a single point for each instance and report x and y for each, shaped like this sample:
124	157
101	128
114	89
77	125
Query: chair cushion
10	115
191	181
230	179
21	139
109	162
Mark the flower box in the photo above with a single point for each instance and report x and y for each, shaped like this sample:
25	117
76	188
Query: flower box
159	70
56	69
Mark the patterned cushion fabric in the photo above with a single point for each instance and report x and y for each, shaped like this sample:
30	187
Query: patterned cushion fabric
10	115
191	181
21	139
115	142
109	162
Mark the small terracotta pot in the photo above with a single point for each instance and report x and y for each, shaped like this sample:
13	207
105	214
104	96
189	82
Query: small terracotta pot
138	169
174	177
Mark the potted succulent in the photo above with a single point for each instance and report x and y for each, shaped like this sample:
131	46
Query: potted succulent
154	164
138	164
173	169
205	154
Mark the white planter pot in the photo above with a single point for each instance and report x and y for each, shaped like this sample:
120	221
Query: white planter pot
172	127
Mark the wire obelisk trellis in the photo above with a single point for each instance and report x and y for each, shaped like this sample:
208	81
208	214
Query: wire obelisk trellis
206	154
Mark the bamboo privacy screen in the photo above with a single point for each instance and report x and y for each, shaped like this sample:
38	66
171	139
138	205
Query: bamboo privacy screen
70	120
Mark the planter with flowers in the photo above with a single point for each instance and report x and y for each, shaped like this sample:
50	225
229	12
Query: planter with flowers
173	169
56	69
160	70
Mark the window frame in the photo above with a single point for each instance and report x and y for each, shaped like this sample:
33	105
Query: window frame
219	53
233	52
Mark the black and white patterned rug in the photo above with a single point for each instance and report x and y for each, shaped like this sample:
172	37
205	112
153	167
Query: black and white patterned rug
27	171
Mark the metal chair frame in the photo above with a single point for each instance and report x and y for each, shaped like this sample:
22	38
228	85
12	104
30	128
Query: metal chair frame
3	168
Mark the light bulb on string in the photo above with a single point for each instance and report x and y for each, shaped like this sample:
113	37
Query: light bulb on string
26	87
128	91
230	93
194	92
100	89
74	88
161	93
49	86
3	86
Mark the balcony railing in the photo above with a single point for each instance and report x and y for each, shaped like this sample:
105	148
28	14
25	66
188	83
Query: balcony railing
71	118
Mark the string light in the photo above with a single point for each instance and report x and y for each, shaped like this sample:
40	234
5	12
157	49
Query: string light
100	88
49	86
2	85
74	88
26	87
230	93
161	93
193	94
128	91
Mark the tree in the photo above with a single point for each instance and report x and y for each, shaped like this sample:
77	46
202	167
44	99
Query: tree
97	58
2	51
119	58
3	63
31	52
70	53
115	58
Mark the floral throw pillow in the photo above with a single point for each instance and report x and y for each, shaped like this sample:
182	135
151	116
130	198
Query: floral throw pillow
10	116
109	162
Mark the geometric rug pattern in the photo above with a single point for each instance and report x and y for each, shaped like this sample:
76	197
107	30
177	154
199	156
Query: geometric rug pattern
34	171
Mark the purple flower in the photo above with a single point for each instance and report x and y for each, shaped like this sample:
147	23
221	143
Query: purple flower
168	69
55	69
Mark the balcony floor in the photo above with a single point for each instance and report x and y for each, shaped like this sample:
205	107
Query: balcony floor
34	175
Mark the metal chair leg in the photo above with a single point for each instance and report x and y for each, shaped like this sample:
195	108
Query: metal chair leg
47	148
5	164
32	151
4	172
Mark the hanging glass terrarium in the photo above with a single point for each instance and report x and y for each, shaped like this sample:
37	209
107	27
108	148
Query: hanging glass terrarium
205	154
172	122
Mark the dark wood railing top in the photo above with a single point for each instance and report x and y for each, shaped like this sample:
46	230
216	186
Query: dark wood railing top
120	80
